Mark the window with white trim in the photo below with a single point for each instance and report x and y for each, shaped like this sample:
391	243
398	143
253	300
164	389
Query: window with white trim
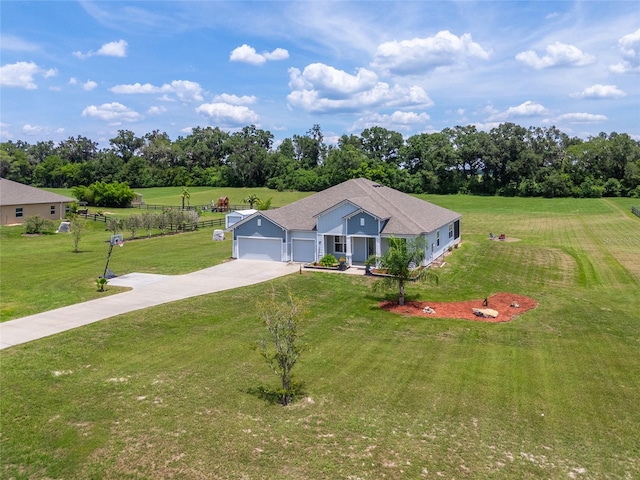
19	212
362	221
437	238
340	244
451	230
53	209
259	222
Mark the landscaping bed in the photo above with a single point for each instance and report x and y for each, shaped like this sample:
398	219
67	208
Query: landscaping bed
502	302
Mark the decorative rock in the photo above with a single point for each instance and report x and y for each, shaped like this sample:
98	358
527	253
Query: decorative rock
485	312
428	310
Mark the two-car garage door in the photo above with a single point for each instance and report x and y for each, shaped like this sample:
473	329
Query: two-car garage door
260	248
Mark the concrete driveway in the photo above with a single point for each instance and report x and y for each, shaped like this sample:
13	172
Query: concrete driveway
148	290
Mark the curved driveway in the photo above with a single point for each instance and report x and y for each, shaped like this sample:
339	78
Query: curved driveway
148	290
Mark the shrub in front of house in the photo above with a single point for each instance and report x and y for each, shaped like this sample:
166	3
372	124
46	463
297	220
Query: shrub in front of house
328	261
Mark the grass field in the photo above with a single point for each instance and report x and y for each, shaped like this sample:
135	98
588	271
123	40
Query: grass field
171	392
170	196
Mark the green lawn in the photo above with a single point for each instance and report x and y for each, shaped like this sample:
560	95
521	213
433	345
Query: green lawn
171	392
170	196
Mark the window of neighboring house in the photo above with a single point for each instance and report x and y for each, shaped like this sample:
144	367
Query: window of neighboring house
437	238
340	244
362	222
259	222
451	230
19	212
53	209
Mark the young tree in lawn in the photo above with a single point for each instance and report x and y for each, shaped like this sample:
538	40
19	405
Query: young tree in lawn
401	263
76	227
114	224
251	200
185	195
281	317
133	223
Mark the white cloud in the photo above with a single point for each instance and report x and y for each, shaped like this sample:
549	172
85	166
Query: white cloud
89	85
16	44
581	118
557	54
21	75
321	88
112	112
331	81
599	91
114	49
424	54
111	49
137	88
399	121
156	110
5	134
228	115
526	109
185	90
247	54
630	50
234	99
34	129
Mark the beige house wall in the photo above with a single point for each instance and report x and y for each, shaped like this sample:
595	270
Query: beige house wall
8	212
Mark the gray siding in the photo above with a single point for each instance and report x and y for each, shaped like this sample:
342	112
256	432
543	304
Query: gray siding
302	234
369	229
251	229
333	221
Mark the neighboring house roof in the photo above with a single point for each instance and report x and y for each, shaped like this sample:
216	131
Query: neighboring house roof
406	215
14	193
244	213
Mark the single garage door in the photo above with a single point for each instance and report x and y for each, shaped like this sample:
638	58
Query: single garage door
304	250
260	248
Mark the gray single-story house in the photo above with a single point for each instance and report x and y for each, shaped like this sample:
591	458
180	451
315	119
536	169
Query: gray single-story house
19	201
353	220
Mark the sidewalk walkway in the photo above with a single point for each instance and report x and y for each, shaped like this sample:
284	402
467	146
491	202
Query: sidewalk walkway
148	290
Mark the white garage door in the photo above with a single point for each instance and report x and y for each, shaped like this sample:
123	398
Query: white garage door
259	248
304	250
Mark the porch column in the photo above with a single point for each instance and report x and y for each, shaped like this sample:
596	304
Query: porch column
320	245
349	252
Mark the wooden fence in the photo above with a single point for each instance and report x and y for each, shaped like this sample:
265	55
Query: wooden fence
635	211
214	222
204	208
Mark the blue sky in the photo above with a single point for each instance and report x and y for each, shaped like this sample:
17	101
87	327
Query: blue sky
92	68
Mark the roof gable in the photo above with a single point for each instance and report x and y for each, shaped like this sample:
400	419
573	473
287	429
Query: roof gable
14	193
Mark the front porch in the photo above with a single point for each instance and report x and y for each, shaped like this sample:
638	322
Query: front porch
355	248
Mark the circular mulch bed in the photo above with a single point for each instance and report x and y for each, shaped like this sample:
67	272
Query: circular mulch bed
464	310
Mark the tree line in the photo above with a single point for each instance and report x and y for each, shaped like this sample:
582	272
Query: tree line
507	160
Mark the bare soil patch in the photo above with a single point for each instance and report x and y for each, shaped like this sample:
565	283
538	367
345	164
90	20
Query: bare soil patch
502	302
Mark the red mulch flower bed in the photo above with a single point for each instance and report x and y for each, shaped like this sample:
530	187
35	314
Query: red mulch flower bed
464	310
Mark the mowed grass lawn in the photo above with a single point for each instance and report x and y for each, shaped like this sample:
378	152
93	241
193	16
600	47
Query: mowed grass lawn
170	392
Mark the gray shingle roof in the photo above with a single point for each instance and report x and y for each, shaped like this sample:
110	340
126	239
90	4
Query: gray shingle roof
406	215
14	193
